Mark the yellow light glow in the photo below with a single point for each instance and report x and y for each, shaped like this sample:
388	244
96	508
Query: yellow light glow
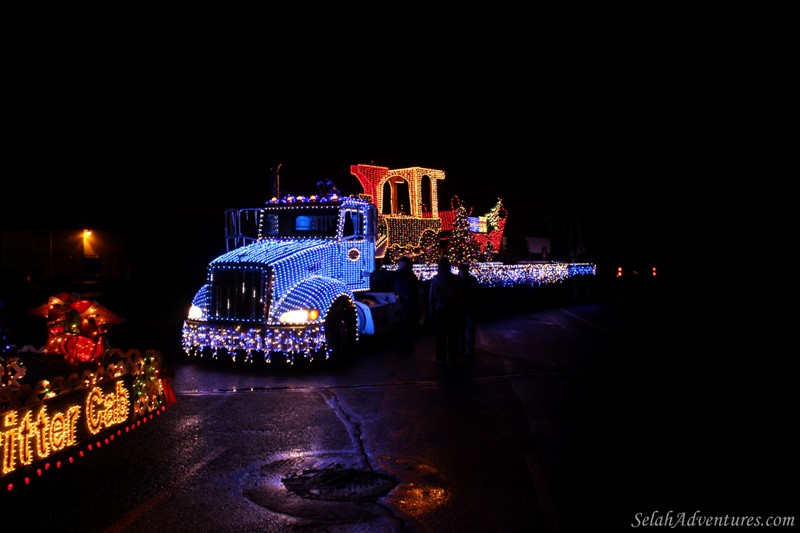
299	316
195	313
419	500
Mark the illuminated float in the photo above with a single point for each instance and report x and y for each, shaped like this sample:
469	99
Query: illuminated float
420	230
74	395
304	277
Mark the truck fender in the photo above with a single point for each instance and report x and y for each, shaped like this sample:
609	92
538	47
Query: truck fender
201	296
315	292
366	326
197	310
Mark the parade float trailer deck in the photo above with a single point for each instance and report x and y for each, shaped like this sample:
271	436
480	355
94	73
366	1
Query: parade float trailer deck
302	276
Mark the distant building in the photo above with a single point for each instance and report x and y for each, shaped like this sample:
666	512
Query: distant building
77	254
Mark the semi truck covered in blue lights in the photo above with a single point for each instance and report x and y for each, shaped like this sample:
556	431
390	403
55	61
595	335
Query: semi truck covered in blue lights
301	288
300	278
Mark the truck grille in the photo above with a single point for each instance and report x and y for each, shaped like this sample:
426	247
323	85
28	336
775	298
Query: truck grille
238	294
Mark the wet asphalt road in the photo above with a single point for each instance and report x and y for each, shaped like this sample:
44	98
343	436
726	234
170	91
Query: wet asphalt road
574	416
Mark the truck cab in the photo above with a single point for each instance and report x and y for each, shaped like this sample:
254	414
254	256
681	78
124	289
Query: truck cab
299	287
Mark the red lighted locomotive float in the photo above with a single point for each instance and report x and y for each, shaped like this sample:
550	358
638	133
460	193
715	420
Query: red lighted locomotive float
65	400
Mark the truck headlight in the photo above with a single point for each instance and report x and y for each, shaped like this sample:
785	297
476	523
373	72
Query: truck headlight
195	313
299	316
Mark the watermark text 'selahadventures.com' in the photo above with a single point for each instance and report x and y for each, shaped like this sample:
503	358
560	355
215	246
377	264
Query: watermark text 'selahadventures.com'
678	519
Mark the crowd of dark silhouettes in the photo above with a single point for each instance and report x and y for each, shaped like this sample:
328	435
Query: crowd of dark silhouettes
452	299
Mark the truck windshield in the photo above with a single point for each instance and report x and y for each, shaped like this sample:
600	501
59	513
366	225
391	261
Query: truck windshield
294	221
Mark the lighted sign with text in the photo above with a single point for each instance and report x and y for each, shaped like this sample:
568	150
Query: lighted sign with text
34	433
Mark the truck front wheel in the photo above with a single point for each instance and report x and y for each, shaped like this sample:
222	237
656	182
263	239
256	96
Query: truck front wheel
340	328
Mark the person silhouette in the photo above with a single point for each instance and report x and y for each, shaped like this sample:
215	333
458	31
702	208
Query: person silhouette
466	339
446	301
406	287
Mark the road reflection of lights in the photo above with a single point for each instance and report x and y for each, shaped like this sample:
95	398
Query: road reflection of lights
417	500
188	423
422	490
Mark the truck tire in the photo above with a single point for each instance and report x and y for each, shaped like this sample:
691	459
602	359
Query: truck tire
340	328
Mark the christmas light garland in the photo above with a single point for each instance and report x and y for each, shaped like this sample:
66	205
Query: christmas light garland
60	418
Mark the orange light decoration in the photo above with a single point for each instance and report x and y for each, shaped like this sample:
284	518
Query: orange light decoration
406	231
77	329
374	178
51	431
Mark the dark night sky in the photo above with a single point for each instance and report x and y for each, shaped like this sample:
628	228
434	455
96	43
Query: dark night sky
633	190
653	160
666	134
127	186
